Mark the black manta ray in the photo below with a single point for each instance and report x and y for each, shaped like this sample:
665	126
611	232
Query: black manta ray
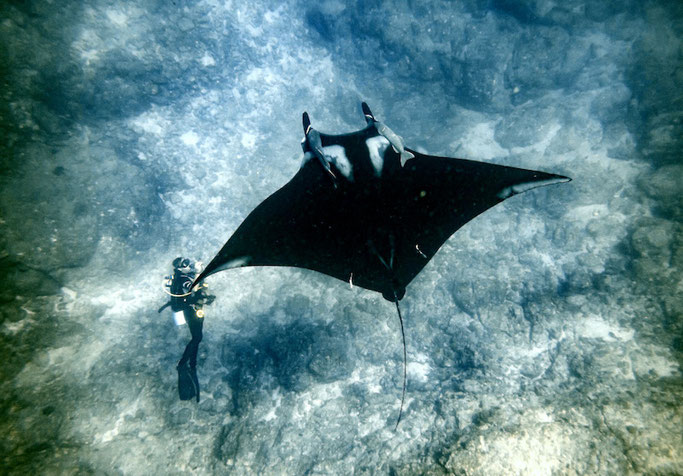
367	210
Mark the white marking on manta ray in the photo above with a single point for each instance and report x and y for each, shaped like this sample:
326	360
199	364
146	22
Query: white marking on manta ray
234	263
523	187
417	247
377	146
336	155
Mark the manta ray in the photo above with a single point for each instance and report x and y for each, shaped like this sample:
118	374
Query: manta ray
367	210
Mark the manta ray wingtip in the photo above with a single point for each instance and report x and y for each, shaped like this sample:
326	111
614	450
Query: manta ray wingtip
521	187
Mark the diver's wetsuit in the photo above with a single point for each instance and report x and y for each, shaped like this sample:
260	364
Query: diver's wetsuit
190	304
181	285
192	348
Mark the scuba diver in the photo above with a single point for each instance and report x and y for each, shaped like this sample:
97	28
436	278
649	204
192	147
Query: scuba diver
187	306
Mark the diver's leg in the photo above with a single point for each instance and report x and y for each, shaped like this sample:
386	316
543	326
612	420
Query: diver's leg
196	325
190	387
190	348
187	387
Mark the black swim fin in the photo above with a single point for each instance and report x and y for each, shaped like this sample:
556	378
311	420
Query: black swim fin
188	384
195	381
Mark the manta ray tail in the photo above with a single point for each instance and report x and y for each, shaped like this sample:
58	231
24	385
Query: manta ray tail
403	335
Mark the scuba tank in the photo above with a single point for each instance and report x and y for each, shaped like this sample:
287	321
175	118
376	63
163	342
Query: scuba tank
179	318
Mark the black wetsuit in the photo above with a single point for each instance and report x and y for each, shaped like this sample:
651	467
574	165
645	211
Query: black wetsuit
181	286
190	304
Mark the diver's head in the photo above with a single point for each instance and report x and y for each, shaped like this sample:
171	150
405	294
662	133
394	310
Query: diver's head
184	265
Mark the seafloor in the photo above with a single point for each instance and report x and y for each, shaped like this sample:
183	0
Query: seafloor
546	337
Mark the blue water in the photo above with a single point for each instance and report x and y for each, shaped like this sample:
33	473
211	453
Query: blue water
545	337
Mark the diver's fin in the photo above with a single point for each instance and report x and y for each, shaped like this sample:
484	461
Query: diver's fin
195	380
186	385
